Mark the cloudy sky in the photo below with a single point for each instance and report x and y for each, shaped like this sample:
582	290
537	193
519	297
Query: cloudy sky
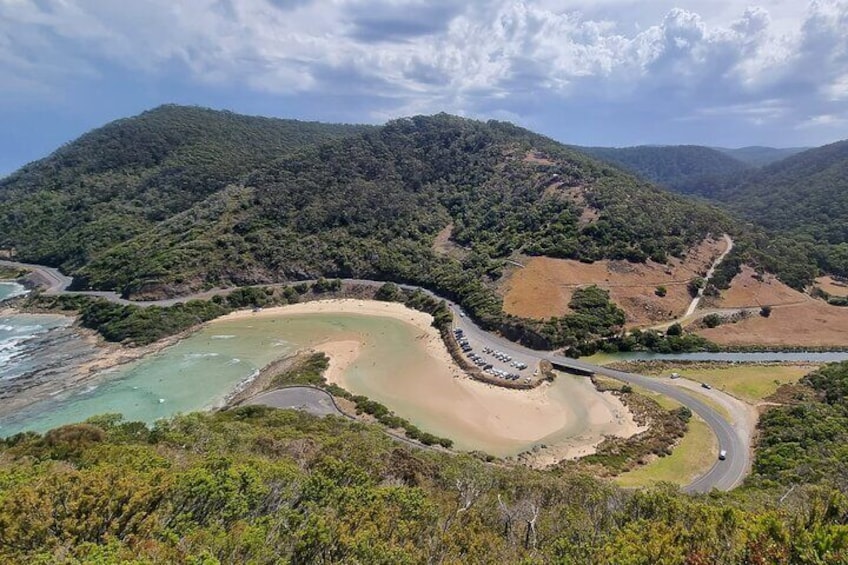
593	72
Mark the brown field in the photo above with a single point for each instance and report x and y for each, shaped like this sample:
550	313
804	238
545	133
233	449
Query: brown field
747	291
544	287
832	286
811	323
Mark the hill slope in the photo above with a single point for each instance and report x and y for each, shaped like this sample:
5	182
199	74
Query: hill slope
118	181
805	198
371	206
368	205
758	156
689	169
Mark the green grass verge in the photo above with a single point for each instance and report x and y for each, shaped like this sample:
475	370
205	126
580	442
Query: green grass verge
750	383
695	454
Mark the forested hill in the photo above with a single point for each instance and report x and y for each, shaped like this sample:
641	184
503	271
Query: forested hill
688	169
804	197
171	211
371	205
118	181
758	156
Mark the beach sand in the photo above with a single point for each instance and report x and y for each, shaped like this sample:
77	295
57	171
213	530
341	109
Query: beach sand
569	416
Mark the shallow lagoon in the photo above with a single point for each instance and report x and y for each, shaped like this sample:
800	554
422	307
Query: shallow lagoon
393	368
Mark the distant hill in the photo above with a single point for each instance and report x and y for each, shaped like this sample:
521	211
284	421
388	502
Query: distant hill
805	198
758	156
122	179
688	169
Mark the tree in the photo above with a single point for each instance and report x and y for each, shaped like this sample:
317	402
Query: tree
661	291
765	311
674	330
695	286
389	292
712	320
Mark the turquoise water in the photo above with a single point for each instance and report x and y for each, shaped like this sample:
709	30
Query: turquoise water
200	371
10	289
393	367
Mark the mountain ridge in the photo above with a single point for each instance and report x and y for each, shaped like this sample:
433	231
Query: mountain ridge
686	169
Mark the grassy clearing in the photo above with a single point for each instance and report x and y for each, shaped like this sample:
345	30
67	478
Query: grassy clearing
695	454
709	401
602	358
665	402
750	383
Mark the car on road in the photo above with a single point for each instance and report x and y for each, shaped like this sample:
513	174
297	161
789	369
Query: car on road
722	455
706	386
675	375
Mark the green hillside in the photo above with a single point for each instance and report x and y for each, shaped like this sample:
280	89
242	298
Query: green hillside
262	486
804	199
688	169
178	200
370	206
759	156
120	180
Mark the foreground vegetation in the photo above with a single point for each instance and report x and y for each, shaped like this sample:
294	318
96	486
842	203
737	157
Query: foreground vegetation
259	485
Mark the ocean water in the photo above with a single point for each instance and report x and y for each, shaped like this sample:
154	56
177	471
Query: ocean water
22	341
194	374
10	290
200	371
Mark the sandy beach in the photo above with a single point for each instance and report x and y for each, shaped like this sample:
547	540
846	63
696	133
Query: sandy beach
570	417
423	321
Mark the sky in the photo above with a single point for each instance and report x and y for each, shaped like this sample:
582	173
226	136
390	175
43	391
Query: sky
590	72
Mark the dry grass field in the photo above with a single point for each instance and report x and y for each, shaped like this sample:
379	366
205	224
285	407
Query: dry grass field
543	288
812	323
749	290
832	286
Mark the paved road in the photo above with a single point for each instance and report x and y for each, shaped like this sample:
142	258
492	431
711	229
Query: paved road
724	475
308	399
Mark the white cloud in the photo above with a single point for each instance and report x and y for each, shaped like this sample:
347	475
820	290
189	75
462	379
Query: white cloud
713	59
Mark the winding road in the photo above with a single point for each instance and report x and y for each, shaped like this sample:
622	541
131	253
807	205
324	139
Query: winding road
723	475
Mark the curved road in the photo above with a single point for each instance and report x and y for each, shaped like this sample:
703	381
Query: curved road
723	475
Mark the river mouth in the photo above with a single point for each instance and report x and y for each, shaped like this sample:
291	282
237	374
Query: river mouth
401	362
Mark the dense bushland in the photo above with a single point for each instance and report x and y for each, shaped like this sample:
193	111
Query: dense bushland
259	485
